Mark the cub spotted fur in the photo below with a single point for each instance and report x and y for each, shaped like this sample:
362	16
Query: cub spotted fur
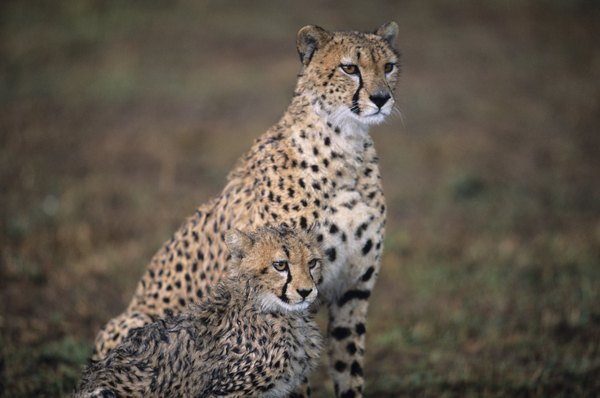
253	336
318	163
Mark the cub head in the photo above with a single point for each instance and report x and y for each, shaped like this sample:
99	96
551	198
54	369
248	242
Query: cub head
351	76
285	266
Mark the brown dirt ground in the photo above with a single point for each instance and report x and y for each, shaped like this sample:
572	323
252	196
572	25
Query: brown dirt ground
117	119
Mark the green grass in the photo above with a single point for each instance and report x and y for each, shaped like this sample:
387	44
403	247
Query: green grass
51	369
118	119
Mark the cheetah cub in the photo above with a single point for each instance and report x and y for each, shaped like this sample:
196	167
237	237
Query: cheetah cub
253	336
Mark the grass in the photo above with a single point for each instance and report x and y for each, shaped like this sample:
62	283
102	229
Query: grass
117	119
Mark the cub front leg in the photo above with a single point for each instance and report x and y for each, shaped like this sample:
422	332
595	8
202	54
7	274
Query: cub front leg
346	336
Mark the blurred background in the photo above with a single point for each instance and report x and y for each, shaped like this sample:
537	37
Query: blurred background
118	118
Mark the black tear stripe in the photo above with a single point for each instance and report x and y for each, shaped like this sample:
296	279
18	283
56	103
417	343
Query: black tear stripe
355	107
284	289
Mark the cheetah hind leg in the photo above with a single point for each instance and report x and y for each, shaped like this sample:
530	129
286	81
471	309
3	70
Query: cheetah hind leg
113	333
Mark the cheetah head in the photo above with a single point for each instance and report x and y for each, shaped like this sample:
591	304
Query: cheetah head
350	76
285	266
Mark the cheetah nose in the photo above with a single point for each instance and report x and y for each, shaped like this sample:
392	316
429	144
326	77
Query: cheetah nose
379	100
304	292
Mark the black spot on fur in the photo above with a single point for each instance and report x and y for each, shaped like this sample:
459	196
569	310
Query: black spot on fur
356	369
303	222
331	254
351	348
360	328
368	274
340	366
367	247
348	394
354	295
340	333
361	228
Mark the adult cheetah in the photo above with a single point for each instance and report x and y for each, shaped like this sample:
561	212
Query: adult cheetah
317	164
254	335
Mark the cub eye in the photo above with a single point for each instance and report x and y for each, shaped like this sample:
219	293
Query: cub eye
350	69
313	263
388	67
280	265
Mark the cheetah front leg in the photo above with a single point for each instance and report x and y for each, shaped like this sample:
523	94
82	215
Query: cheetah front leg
346	336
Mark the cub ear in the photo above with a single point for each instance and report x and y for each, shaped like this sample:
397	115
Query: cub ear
309	39
388	31
313	229
238	243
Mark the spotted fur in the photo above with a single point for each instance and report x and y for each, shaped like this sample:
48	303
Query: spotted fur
253	336
318	163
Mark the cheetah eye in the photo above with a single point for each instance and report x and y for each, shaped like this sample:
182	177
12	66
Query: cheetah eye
350	69
280	266
388	67
313	263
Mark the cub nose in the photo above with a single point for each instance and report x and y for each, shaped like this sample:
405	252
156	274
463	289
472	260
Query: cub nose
379	100
304	292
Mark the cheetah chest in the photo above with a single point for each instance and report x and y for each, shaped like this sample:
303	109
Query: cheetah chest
352	230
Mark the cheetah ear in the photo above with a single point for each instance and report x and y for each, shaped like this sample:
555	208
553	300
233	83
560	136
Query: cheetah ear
309	39
238	242
388	31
